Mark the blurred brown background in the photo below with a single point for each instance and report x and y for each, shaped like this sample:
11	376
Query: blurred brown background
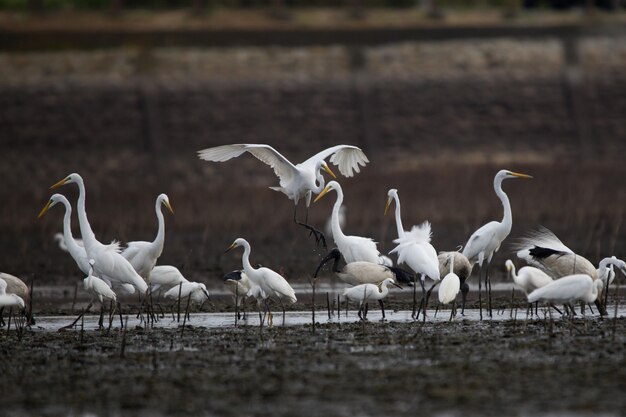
439	96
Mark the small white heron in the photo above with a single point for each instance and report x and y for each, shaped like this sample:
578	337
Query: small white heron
567	290
449	288
366	292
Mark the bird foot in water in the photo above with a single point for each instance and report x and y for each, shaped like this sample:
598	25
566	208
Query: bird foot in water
319	236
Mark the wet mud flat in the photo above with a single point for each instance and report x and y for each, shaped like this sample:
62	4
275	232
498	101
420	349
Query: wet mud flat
521	367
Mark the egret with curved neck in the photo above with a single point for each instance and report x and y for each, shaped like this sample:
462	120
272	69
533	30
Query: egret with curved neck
353	248
107	259
143	255
485	241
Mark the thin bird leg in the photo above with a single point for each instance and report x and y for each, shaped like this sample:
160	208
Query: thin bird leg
453	310
436	309
582	308
359	312
430	290
488	289
414	296
283	306
382	308
555	308
101	320
536	308
590	308
365	310
417	316
480	297
77	318
2	323
119	308
464	291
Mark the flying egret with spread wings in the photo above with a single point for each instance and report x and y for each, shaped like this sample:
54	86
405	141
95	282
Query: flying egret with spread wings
299	180
486	241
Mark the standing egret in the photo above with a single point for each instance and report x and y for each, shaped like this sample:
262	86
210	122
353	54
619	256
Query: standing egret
13	292
271	284
195	290
99	289
449	288
566	290
415	250
528	278
365	292
541	248
462	268
486	241
164	277
353	248
361	272
108	261
296	181
143	255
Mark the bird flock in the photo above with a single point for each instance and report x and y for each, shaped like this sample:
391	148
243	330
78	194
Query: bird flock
554	274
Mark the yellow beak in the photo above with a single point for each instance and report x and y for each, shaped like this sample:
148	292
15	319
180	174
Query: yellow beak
44	210
322	194
387	205
169	207
231	247
518	175
327	169
58	184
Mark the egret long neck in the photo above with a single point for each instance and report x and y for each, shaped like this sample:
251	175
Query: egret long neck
245	259
398	217
452	264
157	245
507	219
337	232
71	244
85	228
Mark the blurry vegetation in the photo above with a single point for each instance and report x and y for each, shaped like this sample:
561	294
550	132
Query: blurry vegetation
177	4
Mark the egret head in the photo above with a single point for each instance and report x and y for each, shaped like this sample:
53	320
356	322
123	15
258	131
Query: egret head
509	265
72	178
164	199
238	242
325	167
505	174
390	281
56	198
391	194
333	185
613	261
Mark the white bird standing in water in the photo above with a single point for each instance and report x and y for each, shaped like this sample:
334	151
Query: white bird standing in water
300	180
164	277
196	291
143	255
238	284
486	241
353	248
462	268
8	300
449	288
415	250
272	284
567	290
528	279
108	261
366	292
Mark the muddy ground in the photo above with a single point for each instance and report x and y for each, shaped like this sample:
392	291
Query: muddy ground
460	368
511	367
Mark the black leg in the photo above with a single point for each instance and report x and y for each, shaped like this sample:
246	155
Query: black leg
488	289
464	291
382	308
480	296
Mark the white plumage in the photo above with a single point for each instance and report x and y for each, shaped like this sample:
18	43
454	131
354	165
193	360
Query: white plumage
369	292
60	239
98	288
271	283
164	277
238	283
450	285
15	286
528	278
9	300
296	181
566	290
196	290
353	248
143	255
108	261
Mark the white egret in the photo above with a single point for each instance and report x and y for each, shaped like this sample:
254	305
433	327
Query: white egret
270	283
415	250
9	298
353	248
328	228
108	261
528	278
450	287
486	241
60	239
544	250
143	255
462	268
361	272
300	180
366	292
164	277
196	291
566	290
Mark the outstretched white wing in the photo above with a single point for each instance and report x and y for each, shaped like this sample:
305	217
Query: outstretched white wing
284	169
348	158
